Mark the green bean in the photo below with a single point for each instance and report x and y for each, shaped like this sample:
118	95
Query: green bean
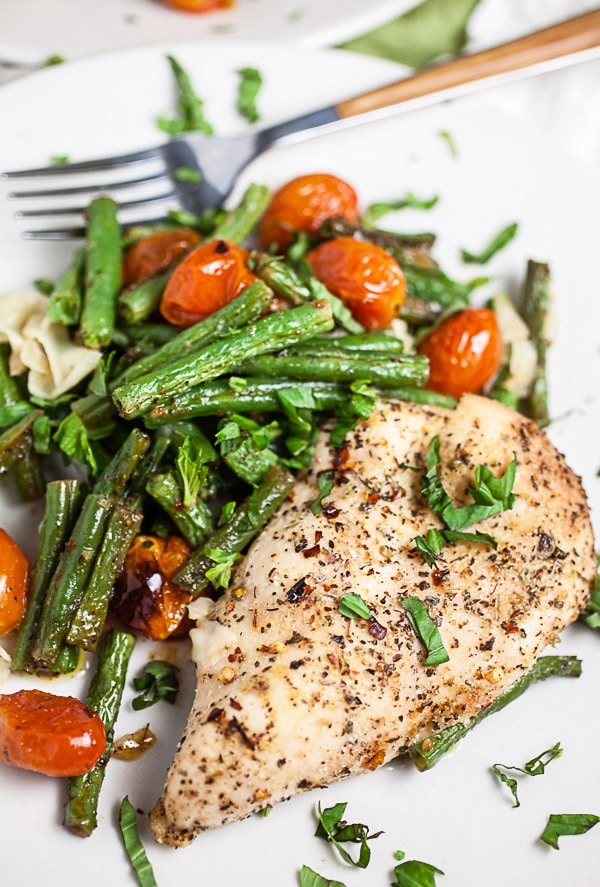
63	498
64	304
427	752
18	456
88	622
114	478
233	536
102	273
104	696
248	306
139	301
239	222
536	305
193	520
251	395
69	579
384	370
270	333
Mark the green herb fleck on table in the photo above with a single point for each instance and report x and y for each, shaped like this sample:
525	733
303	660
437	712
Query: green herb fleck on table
337	831
310	878
410	201
133	845
190	107
157	681
497	243
413	873
561	824
248	90
535	767
444	134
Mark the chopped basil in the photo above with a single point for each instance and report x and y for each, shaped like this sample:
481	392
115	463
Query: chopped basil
59	159
413	873
426	630
72	438
13	412
310	878
334	829
192	470
133	845
535	767
249	87
325	486
376	210
220	575
591	614
187	174
44	285
352	606
490	494
432	544
560	824
497	243
157	681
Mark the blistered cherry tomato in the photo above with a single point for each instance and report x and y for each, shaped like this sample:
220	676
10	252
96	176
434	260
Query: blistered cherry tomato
199	5
303	205
55	735
210	277
464	351
144	597
369	281
14	583
156	252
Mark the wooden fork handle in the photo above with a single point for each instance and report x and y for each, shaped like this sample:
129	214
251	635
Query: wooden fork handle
558	41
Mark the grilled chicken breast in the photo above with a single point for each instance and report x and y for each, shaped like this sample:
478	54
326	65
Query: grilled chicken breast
292	694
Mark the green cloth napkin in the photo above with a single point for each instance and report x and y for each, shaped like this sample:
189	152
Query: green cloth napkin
433	29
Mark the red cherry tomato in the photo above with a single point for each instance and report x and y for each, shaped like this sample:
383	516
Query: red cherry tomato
156	252
144	597
14	583
210	277
367	279
464	351
55	735
303	205
199	5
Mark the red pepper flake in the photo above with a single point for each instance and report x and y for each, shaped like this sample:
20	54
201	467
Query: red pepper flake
312	552
330	512
235	704
215	714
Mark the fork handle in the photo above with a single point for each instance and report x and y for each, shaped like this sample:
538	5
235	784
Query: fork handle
576	35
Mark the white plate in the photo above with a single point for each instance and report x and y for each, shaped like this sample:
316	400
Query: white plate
30	31
455	817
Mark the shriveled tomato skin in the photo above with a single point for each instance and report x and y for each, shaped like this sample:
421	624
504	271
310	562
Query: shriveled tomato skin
465	350
156	252
210	277
14	583
303	204
199	5
369	280
54	735
144	597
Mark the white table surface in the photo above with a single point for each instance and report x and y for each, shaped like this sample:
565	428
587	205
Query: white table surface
565	103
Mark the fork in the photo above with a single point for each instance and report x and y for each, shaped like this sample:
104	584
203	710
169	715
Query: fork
218	161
